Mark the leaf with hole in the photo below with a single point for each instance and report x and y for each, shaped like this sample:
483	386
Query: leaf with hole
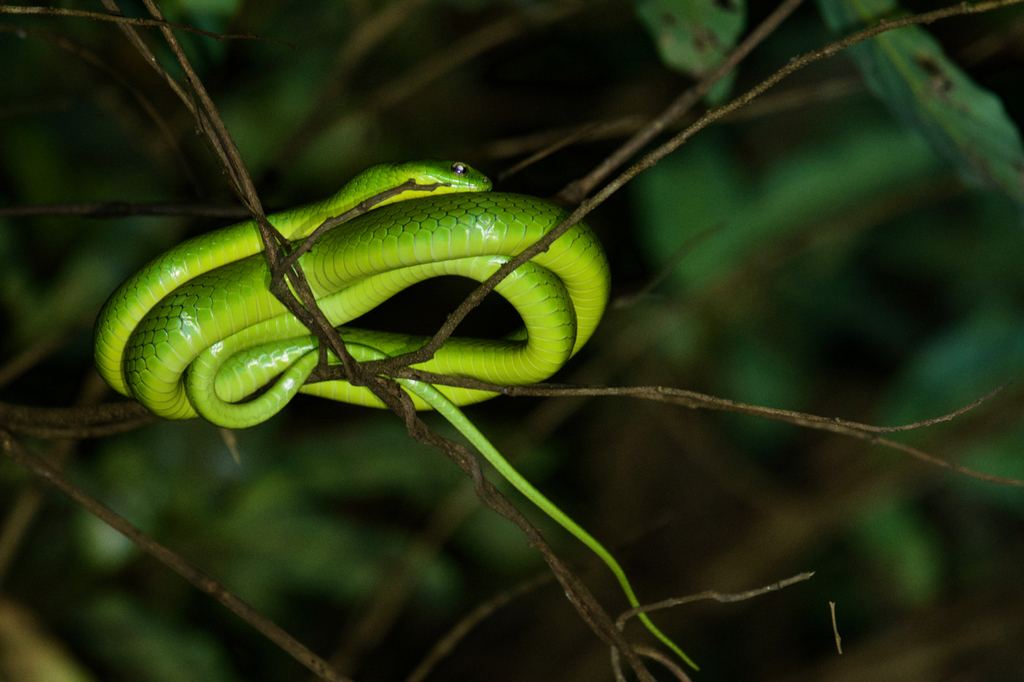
908	70
694	36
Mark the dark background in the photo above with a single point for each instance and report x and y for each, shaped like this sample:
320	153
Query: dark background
831	263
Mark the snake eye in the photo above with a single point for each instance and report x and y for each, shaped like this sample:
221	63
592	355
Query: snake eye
459	168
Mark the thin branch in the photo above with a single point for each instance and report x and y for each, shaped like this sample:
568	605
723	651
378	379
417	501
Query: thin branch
443	647
118	417
211	122
25	507
578	594
584	132
70	416
829	90
94	60
835	628
695	400
703	400
94	421
667	268
133	21
432	67
723	597
483	39
540	144
81	432
367	35
575	191
147	55
378	615
529	142
863	432
658	656
121	209
172	560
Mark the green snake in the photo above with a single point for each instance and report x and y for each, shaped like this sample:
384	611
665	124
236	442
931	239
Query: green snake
196	332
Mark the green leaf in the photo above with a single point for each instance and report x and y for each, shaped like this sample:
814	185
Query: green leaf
724	212
142	644
294	548
694	36
961	120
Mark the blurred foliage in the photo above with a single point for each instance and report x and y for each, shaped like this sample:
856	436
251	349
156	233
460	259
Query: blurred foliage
908	70
695	36
820	254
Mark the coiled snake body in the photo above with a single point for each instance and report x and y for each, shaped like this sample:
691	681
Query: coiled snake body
197	331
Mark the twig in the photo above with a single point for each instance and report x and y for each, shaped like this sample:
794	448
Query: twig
583	132
863	432
97	63
26	506
117	417
667	268
574	192
444	646
703	400
654	654
432	67
150	58
695	400
835	629
599	130
172	560
486	38
134	21
82	432
578	594
367	35
376	618
724	597
70	416
542	143
121	209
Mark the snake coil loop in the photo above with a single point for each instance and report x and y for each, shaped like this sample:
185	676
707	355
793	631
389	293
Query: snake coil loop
198	332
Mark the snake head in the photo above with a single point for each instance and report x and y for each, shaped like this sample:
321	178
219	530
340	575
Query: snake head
449	176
